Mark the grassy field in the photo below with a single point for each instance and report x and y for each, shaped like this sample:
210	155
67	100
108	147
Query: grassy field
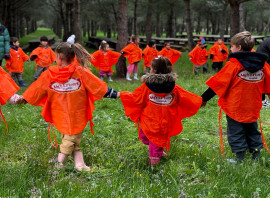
193	167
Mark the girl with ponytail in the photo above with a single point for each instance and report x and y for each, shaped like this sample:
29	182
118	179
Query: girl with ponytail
67	93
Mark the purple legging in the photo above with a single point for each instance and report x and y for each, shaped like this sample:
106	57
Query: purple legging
103	73
154	151
132	67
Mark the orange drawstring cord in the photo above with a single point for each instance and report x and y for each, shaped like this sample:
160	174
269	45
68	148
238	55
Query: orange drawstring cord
4	120
91	127
263	138
56	145
193	69
221	145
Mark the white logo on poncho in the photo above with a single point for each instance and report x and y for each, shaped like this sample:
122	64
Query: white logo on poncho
71	85
251	77
166	100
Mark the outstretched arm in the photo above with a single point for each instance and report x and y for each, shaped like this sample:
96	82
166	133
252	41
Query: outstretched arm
111	93
207	95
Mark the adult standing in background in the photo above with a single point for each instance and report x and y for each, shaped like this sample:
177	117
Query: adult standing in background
4	43
265	49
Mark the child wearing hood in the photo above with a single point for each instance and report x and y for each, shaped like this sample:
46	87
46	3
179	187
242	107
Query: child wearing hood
67	93
240	85
158	106
199	56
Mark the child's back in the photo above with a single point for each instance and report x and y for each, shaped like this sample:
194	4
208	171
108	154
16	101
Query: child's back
159	105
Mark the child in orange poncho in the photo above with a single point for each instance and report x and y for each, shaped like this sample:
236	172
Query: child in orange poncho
149	53
240	85
8	89
158	106
218	54
104	59
169	53
15	62
43	55
67	93
134	54
199	56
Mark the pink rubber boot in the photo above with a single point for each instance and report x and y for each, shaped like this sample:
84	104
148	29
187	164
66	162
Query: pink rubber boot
153	161
79	162
62	158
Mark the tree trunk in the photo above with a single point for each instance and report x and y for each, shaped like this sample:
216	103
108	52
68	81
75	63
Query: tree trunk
242	17
135	17
158	34
188	24
77	17
88	28
148	27
121	19
223	21
260	24
198	23
235	15
207	23
267	27
213	22
171	23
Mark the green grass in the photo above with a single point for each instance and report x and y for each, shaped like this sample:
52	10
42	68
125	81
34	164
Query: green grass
193	167
37	34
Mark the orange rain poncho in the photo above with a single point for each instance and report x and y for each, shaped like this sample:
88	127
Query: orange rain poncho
159	115
7	86
218	56
149	53
240	92
171	54
45	56
198	56
133	53
104	62
17	58
67	96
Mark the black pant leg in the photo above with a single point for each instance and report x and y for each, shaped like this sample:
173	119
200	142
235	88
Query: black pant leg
236	135
253	136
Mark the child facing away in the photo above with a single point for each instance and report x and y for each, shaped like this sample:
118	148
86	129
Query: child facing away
43	55
15	62
158	106
199	56
149	53
8	89
67	93
134	54
240	85
104	59
169	53
218	54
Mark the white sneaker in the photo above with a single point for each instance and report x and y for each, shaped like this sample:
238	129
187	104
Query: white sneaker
136	76
128	77
265	104
110	79
101	78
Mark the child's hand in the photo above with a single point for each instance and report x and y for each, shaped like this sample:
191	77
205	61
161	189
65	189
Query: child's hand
203	104
118	95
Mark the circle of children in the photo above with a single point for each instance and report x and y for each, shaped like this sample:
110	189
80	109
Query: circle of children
157	106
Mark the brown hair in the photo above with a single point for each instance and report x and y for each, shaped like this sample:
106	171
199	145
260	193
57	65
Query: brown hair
68	52
161	65
244	40
133	38
103	45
